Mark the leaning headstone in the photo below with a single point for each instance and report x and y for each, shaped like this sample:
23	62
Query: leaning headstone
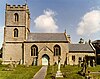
84	68
79	62
20	62
15	64
73	63
93	63
11	64
84	65
89	63
27	65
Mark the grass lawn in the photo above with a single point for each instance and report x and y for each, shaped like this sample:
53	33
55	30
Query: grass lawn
20	72
95	69
71	72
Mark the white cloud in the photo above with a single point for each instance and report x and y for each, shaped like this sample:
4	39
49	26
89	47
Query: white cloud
90	23
1	29
46	22
1	35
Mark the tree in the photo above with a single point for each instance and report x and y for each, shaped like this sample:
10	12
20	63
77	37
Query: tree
1	52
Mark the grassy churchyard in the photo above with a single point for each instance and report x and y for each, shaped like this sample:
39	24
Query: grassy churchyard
20	72
71	72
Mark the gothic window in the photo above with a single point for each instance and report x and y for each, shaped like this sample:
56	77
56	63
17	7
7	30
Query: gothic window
15	32
16	17
73	57
57	50
34	50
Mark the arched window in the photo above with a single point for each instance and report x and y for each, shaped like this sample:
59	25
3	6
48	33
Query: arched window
57	50
15	32
34	50
16	17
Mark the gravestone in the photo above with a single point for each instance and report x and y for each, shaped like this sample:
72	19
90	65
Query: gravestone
83	71
79	63
84	65
27	65
59	74
15	64
89	63
20	62
11	64
93	63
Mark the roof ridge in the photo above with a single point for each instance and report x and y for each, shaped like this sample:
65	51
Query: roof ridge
47	37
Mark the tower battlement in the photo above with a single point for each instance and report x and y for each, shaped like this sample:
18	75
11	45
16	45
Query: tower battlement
16	7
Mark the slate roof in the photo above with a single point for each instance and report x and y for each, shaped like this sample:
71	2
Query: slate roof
80	47
96	41
47	37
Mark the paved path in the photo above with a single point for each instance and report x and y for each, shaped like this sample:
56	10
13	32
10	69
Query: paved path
41	73
94	72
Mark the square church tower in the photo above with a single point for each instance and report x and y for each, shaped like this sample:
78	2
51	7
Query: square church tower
17	27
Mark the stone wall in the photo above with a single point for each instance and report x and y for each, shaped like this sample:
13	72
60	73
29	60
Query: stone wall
10	18
77	55
12	51
49	46
9	34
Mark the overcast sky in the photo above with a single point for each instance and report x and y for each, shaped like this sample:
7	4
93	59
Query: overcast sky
80	18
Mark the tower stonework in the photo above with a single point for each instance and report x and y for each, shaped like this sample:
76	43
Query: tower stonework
17	27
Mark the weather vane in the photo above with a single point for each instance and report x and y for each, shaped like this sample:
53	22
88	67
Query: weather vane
65	30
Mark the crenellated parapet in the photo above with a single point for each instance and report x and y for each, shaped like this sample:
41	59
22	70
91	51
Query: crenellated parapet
16	7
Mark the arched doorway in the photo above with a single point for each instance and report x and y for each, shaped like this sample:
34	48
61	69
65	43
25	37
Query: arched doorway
45	59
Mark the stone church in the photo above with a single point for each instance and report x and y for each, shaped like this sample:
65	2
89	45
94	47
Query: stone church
24	47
